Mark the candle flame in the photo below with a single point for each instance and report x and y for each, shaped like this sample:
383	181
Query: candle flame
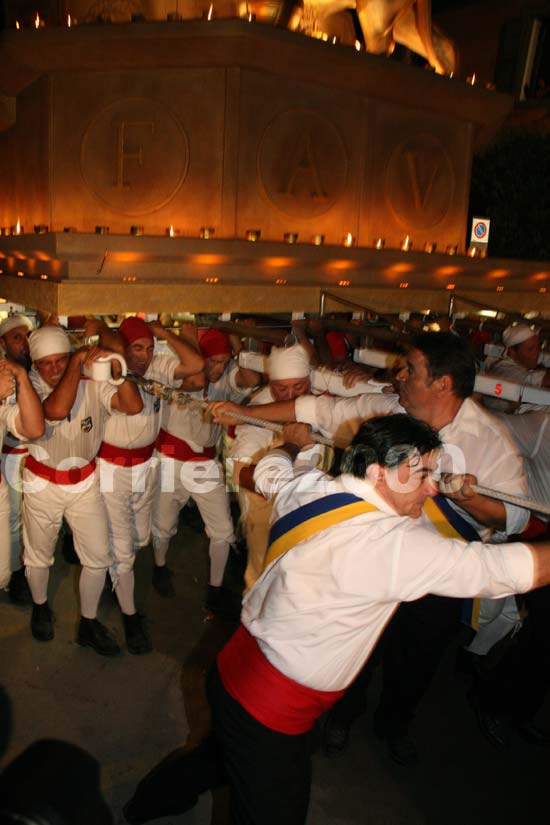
210	12
17	26
18	227
348	240
68	21
357	46
171	232
37	21
473	79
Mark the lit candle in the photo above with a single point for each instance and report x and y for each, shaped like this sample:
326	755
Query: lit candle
430	247
69	22
210	12
379	243
473	252
170	232
40	229
471	80
17	26
18	228
451	249
136	230
290	237
252	235
348	240
318	240
251	17
207	232
37	21
357	46
406	244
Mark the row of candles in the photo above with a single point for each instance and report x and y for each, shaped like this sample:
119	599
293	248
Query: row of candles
254	235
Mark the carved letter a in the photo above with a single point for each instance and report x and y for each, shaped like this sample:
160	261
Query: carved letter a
305	166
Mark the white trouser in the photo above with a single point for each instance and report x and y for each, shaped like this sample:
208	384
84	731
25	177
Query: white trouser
45	505
5	561
11	551
497	617
128	496
204	482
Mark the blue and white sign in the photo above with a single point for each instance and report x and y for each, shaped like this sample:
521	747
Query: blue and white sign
480	231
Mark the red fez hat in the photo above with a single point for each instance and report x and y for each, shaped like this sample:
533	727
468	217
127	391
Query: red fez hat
133	328
215	342
337	344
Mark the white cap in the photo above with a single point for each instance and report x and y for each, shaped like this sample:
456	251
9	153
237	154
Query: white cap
13	321
48	341
514	335
288	362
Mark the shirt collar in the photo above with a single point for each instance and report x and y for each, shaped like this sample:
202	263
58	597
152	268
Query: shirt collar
362	488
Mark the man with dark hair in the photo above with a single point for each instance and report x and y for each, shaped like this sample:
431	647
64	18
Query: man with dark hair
342	554
434	386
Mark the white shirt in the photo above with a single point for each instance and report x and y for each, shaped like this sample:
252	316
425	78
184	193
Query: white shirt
532	436
134	431
252	442
76	439
8	415
475	441
510	370
318	610
189	424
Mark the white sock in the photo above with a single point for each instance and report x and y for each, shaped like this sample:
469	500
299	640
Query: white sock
92	582
160	549
125	592
218	551
38	582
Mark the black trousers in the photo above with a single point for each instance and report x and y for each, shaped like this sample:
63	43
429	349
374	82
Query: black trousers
410	650
269	773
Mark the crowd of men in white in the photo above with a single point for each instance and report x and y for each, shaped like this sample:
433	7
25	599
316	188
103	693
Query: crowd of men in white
117	464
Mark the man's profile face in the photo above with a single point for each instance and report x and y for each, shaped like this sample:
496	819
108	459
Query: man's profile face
407	486
16	344
287	389
417	391
52	368
139	355
527	353
214	367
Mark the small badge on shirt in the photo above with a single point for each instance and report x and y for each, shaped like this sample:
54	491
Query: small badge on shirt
86	424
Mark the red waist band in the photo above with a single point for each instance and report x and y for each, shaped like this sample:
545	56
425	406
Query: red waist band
177	448
268	695
124	457
7	450
73	476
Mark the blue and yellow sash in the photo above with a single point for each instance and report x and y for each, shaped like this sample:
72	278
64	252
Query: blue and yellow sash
304	522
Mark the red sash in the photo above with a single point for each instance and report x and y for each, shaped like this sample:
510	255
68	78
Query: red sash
7	450
73	476
124	457
177	448
270	697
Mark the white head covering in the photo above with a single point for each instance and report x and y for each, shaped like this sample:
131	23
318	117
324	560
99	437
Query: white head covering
14	321
512	336
48	341
288	362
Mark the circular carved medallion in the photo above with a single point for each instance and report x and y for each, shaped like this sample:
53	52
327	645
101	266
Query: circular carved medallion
420	182
302	163
134	156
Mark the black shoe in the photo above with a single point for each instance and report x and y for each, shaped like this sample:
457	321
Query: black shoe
162	581
335	735
136	816
67	548
137	640
401	747
42	622
533	734
494	729
18	588
219	601
91	633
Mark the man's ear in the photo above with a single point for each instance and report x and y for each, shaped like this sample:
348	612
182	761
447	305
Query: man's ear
445	383
375	472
